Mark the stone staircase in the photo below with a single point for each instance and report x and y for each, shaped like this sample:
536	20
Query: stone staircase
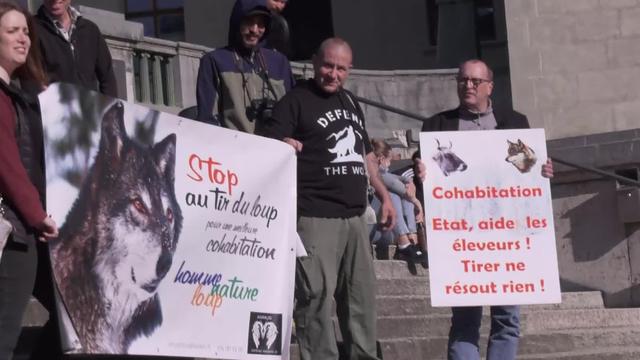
579	328
409	328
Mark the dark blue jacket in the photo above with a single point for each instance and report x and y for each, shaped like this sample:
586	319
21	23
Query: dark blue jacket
230	78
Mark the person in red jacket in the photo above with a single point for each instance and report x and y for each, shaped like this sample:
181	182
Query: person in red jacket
22	176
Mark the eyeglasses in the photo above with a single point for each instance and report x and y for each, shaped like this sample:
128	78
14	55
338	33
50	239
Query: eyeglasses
463	81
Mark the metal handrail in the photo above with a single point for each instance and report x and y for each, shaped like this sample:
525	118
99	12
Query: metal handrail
622	179
607	174
390	108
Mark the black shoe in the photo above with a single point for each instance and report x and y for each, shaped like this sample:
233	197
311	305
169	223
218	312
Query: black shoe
407	254
421	256
404	254
413	253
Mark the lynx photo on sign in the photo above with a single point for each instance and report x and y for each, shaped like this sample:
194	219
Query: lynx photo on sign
489	219
172	240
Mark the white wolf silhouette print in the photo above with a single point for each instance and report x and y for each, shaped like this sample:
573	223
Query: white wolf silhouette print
345	148
118	241
521	156
447	161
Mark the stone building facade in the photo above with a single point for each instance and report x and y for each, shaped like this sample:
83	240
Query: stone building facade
573	66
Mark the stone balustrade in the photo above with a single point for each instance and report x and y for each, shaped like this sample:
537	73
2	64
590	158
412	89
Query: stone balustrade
162	75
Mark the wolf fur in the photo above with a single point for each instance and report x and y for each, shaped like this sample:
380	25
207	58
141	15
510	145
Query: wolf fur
521	156
118	240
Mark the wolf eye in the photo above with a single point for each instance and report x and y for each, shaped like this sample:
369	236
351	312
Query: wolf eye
169	215
139	205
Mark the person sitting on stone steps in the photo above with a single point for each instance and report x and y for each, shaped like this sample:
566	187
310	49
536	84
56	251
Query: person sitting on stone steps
407	206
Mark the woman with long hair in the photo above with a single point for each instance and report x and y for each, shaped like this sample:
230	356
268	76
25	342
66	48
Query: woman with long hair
22	175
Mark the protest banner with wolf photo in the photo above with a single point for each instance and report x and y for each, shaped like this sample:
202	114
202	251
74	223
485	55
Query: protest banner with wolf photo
489	220
176	236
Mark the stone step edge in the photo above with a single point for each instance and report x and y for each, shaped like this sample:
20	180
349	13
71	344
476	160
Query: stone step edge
610	350
566	305
573	295
486	315
610	310
576	331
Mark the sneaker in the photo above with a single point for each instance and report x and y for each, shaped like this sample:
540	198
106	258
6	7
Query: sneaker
407	254
404	254
421	256
414	253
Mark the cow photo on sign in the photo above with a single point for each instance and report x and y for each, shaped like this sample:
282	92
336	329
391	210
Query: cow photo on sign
447	160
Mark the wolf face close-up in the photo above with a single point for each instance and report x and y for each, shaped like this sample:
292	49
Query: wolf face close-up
521	156
118	241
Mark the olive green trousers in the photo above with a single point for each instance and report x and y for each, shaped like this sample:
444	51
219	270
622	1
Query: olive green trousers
339	265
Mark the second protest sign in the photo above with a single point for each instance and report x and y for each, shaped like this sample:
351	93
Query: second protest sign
489	218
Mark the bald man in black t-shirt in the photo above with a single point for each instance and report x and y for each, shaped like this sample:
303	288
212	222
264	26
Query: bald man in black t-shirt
326	126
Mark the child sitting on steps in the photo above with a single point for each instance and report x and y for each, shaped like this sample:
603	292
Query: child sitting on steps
408	208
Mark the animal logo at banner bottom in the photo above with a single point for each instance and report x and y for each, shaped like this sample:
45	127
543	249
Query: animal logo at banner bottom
447	160
521	156
118	240
264	334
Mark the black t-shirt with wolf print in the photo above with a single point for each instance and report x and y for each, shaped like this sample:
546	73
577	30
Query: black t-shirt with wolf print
331	175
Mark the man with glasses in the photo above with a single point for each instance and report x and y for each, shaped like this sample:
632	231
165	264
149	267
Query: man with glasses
325	125
476	112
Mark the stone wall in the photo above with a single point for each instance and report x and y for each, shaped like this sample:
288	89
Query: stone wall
575	71
575	64
423	93
597	219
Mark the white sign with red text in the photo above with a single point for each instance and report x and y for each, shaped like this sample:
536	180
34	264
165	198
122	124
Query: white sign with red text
489	218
